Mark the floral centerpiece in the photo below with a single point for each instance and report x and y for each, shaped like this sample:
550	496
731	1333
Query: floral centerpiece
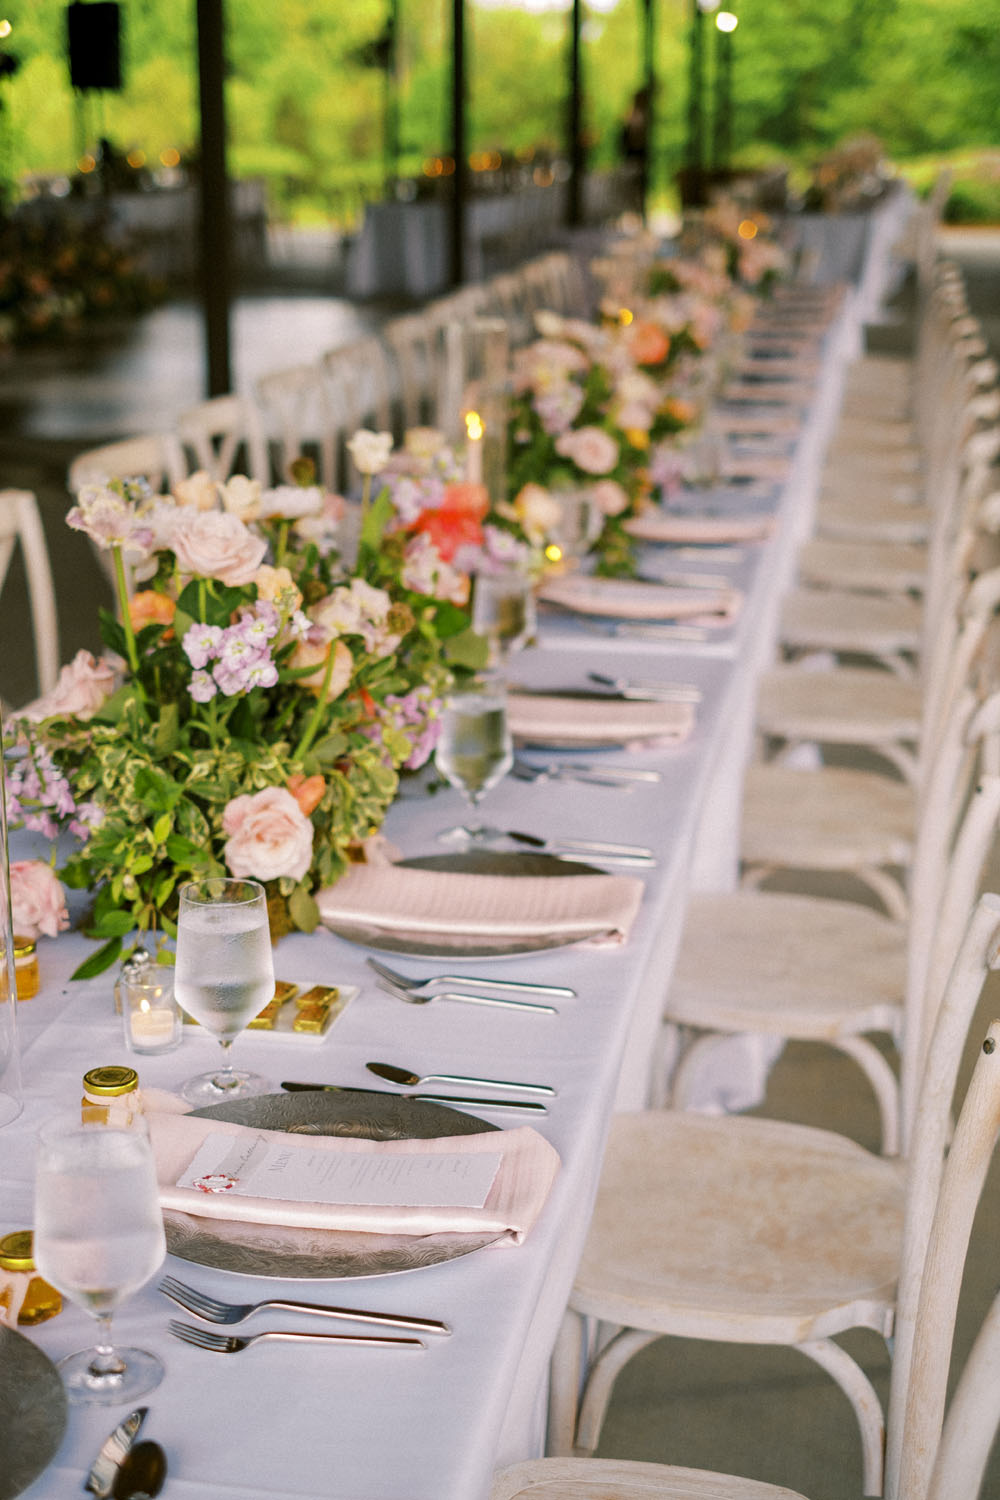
258	708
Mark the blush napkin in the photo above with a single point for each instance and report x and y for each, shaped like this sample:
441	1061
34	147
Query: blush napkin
540	719
528	1167
631	599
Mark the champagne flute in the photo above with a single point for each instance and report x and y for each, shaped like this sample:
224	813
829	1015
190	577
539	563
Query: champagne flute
474	750
224	975
98	1238
503	612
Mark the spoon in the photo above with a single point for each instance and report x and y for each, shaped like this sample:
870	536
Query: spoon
411	1080
141	1473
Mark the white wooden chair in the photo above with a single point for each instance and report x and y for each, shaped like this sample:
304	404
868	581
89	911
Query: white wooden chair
155	457
359	382
21	524
755	1231
412	340
223	436
298	421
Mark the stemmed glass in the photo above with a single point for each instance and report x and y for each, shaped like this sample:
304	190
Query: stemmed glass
98	1238
474	750
503	612
579	524
224	975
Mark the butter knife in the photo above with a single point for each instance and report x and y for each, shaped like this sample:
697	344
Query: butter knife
480	1103
104	1470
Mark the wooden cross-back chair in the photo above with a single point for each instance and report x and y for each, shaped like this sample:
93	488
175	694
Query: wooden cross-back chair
21	526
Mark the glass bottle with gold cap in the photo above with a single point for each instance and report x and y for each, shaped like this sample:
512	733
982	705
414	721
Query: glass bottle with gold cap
111	1095
25	1297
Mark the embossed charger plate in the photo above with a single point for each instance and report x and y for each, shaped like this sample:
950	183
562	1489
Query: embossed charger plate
33	1412
323	1254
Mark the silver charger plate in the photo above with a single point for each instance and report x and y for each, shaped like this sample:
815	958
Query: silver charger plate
446	946
33	1412
324	1254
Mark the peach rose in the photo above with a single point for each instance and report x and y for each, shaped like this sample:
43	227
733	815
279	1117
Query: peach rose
198	490
591	448
83	686
269	836
37	899
307	791
648	343
314	654
147	607
274	581
609	497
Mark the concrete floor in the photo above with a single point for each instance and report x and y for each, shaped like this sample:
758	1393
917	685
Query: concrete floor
766	1413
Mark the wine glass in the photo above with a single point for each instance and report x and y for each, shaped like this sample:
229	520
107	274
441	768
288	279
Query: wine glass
579	524
224	974
98	1238
503	612
474	750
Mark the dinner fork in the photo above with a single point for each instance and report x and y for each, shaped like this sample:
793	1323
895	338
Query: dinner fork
432	984
229	1343
214	1311
497	1001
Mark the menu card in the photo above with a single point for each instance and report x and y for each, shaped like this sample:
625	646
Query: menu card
253	1166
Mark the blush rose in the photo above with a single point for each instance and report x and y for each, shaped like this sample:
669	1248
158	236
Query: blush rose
38	901
268	836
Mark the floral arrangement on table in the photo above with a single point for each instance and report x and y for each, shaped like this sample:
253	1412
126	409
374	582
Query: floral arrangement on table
259	705
742	240
57	279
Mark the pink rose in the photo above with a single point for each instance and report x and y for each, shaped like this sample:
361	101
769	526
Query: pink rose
83	685
216	544
38	901
269	836
609	497
591	448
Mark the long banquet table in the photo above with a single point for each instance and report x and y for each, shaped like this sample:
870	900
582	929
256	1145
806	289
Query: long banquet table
368	1424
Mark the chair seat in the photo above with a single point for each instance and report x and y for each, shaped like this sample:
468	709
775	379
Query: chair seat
834	818
838	620
850	516
788	965
849	705
807	1245
622	1479
863	566
872	432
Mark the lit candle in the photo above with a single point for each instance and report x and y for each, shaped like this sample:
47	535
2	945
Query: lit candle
152	1026
474	430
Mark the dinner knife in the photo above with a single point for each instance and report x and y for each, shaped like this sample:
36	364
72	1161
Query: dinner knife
480	1102
104	1470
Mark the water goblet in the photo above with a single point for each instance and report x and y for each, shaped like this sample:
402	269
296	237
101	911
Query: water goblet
98	1237
474	750
224	975
579	524
503	612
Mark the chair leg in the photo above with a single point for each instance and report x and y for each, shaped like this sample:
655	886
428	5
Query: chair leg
600	1382
884	1083
865	1403
565	1375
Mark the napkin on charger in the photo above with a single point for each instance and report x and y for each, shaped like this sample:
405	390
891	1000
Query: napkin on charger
455	905
528	1166
634	599
560	719
674	526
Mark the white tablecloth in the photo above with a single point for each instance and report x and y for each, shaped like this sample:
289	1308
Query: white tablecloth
363	1424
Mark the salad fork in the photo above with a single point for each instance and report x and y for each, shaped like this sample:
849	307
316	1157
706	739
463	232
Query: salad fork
498	1001
214	1311
229	1343
429	986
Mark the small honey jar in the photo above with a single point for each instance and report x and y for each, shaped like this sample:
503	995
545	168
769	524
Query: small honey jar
26	976
111	1093
21	1288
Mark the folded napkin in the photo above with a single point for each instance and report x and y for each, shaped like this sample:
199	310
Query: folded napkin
452	904
557	720
630	599
668	526
756	466
528	1165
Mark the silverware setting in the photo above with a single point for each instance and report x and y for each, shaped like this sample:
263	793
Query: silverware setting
497	1002
620	778
686	580
583	849
430	986
393	1074
480	1103
230	1343
650	689
214	1311
113	1451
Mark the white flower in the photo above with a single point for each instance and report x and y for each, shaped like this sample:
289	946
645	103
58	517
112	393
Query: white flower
198	490
289	501
241	496
370	450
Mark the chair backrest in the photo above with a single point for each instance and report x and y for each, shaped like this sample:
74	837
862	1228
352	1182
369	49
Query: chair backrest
412	338
943	1189
155	457
20	522
223	436
298	421
358	378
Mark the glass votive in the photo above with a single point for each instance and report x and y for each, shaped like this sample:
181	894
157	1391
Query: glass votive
151	1017
503	611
